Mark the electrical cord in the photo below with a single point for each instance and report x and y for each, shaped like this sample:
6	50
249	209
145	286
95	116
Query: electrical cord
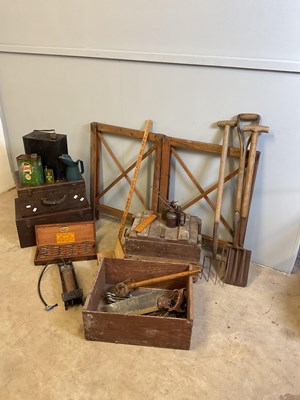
47	306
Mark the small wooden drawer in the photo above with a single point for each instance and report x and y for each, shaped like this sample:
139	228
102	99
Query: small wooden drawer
143	330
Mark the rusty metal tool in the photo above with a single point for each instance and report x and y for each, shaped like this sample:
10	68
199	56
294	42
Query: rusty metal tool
123	288
140	304
174	302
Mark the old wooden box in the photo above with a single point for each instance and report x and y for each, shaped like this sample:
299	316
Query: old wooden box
50	198
144	330
157	241
26	225
71	241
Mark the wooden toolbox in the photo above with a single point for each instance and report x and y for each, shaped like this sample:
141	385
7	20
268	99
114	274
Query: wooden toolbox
144	330
71	241
50	198
157	241
26	225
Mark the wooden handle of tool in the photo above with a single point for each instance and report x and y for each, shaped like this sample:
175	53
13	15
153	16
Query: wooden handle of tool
230	122
134	285
222	170
250	167
256	128
249	117
227	125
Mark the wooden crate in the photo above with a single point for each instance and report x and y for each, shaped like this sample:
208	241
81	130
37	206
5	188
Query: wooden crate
143	330
157	241
71	241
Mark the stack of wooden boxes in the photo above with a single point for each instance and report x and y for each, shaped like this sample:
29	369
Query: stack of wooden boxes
55	201
49	203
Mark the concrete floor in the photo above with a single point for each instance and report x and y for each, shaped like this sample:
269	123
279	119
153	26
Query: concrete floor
245	343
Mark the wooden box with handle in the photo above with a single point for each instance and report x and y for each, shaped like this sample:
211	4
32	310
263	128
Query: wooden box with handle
50	198
143	330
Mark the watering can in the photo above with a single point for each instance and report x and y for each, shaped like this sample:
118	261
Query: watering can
74	168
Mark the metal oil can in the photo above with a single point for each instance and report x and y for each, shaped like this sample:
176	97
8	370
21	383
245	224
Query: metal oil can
30	169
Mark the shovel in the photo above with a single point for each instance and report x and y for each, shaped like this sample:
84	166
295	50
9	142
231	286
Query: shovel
238	259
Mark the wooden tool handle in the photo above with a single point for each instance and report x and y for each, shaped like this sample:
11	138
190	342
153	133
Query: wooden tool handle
256	128
230	122
222	166
250	167
134	285
249	117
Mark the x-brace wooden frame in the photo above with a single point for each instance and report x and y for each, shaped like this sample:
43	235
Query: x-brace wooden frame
170	149
98	133
164	148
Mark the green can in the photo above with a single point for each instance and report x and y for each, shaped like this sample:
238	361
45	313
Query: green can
30	169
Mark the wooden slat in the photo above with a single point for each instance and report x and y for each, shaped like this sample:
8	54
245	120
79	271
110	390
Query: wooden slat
202	146
134	133
207	191
165	170
134	179
126	171
201	190
156	176
136	191
94	155
114	212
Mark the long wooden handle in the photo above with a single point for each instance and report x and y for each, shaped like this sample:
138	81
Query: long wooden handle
134	179
250	167
246	118
227	125
164	278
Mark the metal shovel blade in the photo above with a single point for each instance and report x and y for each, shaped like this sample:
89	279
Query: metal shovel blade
237	266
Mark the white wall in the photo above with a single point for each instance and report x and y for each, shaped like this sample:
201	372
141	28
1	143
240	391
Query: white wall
6	177
67	93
